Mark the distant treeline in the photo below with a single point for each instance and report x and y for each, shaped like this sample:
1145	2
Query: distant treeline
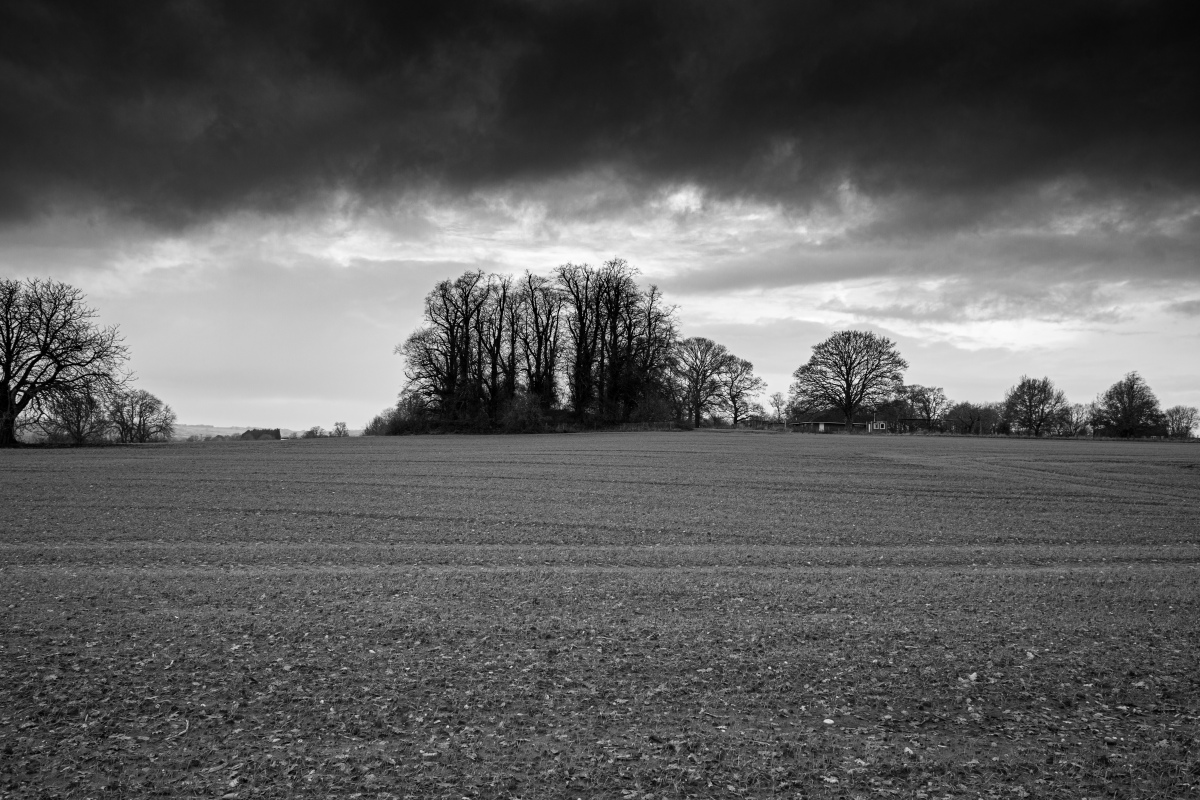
1036	407
1032	407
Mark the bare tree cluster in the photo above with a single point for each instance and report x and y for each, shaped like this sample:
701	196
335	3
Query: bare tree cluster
1036	407
619	342
124	416
1181	421
138	417
61	374
340	430
974	418
587	345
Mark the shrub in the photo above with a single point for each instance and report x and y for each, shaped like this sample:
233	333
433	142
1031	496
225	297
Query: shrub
409	415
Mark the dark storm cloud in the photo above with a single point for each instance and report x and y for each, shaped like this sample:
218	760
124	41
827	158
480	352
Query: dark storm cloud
175	111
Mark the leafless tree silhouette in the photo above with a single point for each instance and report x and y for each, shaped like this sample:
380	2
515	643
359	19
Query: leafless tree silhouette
699	365
739	387
51	346
847	371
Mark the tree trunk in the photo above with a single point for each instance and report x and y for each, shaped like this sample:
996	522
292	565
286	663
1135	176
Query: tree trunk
8	429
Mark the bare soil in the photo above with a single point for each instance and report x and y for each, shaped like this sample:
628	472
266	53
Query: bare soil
613	615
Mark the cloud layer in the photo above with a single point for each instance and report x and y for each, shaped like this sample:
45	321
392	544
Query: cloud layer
177	111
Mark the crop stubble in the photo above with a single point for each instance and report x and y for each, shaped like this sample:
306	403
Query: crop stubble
610	615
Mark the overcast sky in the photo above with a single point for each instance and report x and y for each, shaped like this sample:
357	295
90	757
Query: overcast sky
260	194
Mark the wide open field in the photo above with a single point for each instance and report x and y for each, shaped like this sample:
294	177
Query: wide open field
611	615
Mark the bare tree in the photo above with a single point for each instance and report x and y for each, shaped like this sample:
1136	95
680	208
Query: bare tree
495	368
849	370
1129	408
778	405
140	417
340	429
929	403
739	387
699	363
584	327
50	345
1181	420
1033	405
617	299
539	317
1076	419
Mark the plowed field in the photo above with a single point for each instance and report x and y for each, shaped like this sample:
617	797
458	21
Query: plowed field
612	615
